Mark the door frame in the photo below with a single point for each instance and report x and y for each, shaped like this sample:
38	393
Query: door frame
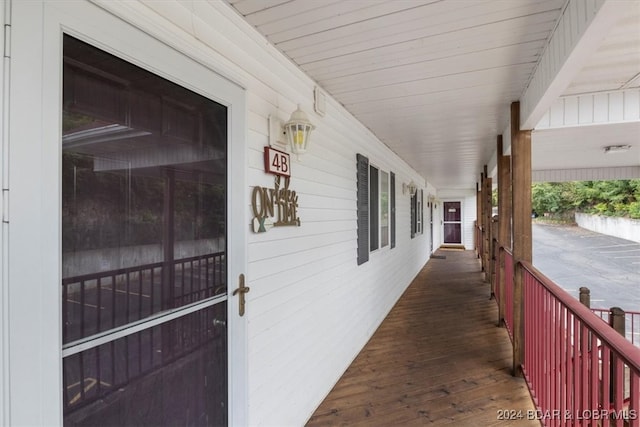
461	221
34	243
430	226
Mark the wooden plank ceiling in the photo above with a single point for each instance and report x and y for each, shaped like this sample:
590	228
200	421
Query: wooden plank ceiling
432	79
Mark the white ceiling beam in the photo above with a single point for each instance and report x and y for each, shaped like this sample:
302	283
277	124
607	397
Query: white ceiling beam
599	108
578	34
586	174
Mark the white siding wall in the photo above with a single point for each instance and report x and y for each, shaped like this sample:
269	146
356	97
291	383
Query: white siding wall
469	212
311	308
437	224
438	228
4	324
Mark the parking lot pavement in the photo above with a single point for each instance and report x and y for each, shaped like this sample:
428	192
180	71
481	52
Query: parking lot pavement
574	257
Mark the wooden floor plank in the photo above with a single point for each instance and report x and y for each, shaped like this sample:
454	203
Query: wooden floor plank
438	358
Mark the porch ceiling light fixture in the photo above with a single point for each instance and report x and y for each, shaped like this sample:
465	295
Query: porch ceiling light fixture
611	149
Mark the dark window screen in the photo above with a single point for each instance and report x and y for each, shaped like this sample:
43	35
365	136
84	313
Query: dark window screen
143	235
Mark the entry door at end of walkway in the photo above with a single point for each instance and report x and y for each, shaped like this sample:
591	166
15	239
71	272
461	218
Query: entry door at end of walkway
452	223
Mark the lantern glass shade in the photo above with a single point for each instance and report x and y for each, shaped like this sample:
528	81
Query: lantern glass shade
298	129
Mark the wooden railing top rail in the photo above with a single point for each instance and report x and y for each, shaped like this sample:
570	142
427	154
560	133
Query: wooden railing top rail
629	353
504	248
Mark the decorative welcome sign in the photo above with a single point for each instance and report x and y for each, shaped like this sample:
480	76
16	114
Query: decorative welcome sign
277	206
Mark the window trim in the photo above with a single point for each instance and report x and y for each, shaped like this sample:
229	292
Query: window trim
362	208
374	212
381	212
375	215
416	207
392	208
366	240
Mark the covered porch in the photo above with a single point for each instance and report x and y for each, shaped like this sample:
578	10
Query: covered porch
438	358
443	99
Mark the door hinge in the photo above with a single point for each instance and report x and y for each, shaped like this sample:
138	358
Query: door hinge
7	41
6	49
4	108
5	205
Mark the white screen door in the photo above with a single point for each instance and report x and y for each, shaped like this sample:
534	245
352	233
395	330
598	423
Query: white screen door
144	284
452	222
128	171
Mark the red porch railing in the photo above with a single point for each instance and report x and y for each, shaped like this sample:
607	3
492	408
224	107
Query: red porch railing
632	323
579	370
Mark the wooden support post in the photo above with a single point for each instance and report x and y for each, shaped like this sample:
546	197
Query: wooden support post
494	255
522	235
585	297
482	224
478	220
486	221
617	322
504	219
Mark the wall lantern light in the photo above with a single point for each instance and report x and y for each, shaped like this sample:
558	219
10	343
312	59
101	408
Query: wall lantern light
409	188
297	131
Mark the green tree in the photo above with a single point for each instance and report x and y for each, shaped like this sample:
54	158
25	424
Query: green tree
551	197
611	198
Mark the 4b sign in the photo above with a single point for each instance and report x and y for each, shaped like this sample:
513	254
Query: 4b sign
277	162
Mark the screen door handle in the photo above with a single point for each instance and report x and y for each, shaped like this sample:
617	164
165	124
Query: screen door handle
241	290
